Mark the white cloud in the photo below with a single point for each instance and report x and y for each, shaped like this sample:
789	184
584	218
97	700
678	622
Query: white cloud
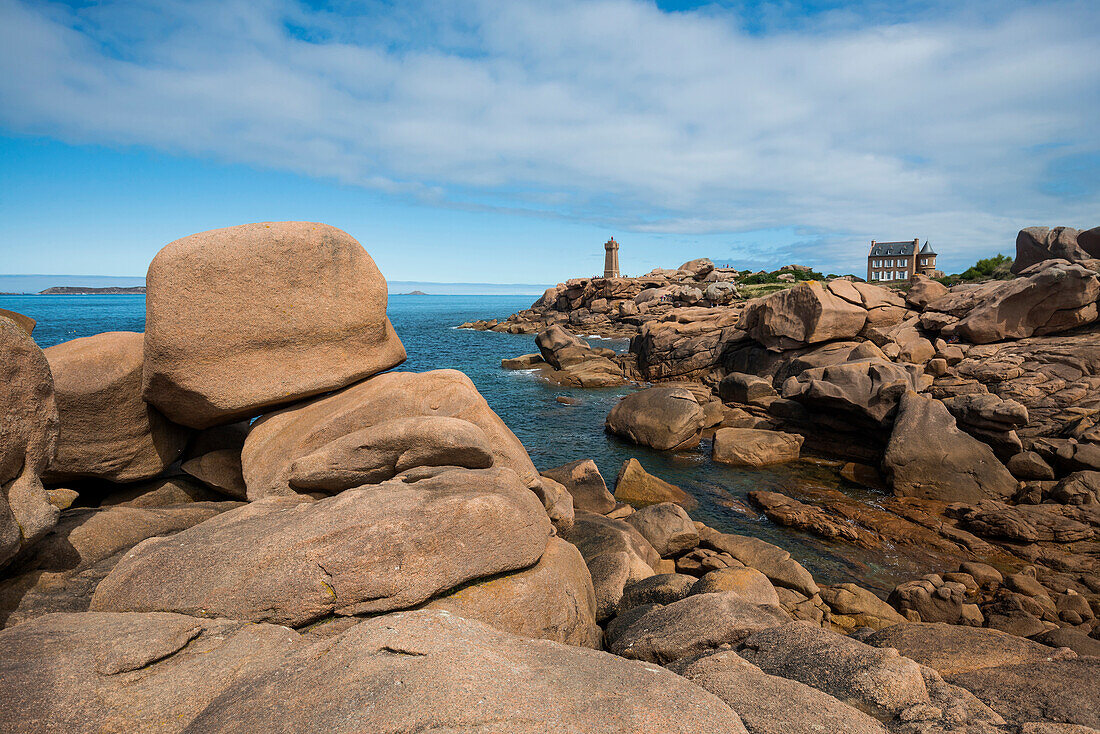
945	126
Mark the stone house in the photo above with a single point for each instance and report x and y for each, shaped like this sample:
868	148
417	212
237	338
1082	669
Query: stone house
897	262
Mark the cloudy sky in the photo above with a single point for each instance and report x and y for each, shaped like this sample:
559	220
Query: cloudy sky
505	141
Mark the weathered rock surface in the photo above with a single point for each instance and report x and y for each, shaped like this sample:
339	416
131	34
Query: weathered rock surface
667	527
808	313
699	623
768	704
552	600
617	555
951	649
748	583
372	549
880	680
246	318
28	440
929	457
380	452
1036	244
638	487
585	483
663	418
1060	691
278	440
60	572
753	447
107	430
771	560
401	673
1057	297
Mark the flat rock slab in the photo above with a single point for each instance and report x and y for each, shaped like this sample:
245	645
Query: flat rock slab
293	561
245	318
1061	691
280	439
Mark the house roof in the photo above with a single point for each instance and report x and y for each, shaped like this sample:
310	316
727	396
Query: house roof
892	248
927	250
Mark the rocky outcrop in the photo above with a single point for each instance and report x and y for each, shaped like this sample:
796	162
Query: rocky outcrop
292	561
1054	296
663	418
28	440
808	313
222	344
576	363
929	457
279	440
617	556
107	430
686	343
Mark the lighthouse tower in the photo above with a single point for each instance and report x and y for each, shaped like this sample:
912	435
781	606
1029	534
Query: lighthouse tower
611	259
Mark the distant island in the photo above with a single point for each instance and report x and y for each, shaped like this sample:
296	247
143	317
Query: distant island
67	290
413	293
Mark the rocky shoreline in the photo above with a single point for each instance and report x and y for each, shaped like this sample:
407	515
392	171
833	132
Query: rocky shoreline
242	520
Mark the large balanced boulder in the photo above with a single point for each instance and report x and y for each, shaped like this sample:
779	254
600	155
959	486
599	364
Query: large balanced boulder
242	319
293	561
808	313
281	444
552	600
1036	244
755	447
1055	296
663	418
929	457
107	430
28	440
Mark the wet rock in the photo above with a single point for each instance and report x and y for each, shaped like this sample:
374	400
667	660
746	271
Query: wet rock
371	549
222	344
789	512
667	527
107	430
583	480
753	447
693	625
279	439
552	600
28	440
769	704
638	487
663	418
929	457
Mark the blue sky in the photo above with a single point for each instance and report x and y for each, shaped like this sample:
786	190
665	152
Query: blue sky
505	141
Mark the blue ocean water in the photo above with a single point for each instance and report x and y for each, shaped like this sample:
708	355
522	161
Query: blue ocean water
552	432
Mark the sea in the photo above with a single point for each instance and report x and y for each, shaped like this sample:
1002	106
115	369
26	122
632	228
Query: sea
554	433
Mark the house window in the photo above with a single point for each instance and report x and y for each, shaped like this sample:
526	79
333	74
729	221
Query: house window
905	275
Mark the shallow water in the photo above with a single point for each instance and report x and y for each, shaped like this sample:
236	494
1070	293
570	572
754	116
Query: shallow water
552	432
